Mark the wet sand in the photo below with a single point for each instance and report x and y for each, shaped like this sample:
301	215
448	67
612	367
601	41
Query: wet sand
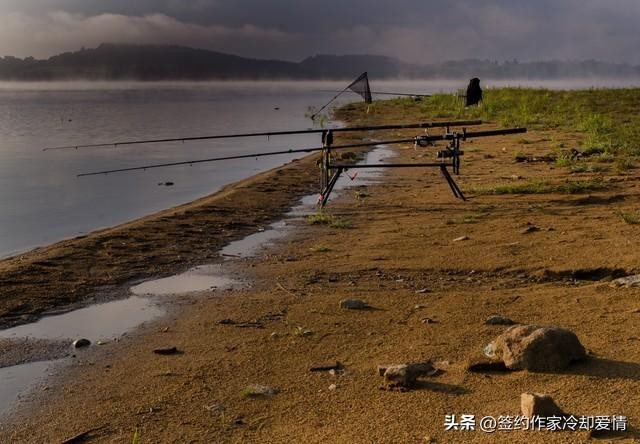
429	296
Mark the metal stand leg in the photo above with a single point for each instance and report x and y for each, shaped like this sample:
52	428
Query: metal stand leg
452	183
327	191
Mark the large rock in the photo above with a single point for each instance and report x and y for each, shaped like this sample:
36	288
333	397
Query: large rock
537	404
529	347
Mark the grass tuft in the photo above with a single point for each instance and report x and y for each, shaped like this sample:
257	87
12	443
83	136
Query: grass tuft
324	218
573	187
630	218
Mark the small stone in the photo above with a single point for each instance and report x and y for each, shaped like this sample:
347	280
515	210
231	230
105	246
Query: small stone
79	343
419	306
498	320
626	282
274	335
333	387
304	332
529	347
404	375
215	408
461	238
332	372
538	404
256	391
427	321
353	304
423	290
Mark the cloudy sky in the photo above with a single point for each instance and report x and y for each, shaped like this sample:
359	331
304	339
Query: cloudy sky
423	31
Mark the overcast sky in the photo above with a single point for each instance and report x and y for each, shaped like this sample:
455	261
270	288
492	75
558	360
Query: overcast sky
421	31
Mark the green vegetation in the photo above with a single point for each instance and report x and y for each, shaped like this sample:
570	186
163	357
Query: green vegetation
323	218
630	218
606	120
571	187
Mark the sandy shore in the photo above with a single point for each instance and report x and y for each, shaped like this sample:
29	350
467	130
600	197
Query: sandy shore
429	296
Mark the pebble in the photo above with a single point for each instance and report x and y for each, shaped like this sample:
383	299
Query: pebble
461	238
256	390
530	229
216	408
333	387
79	343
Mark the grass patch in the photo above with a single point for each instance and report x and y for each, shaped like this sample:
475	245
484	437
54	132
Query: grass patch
323	218
624	164
630	218
574	187
606	120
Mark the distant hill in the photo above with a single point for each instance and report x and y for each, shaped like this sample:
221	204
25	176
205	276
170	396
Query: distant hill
167	62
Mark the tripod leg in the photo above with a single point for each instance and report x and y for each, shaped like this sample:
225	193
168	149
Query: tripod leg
452	183
327	191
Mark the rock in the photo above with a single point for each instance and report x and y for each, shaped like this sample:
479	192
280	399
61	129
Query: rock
461	238
530	229
537	404
529	347
79	343
626	282
353	304
405	375
333	387
257	391
215	408
498	320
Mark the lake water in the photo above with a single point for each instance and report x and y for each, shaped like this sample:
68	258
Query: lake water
42	200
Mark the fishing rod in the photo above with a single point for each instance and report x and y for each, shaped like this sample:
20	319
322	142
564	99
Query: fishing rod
273	133
385	93
246	156
421	140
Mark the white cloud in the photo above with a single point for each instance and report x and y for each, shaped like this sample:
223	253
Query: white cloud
24	35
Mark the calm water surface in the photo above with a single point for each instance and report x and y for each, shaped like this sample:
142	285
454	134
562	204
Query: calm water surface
42	201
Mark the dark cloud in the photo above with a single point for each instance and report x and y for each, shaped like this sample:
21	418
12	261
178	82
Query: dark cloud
414	30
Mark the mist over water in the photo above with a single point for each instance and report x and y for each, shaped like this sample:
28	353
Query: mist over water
42	200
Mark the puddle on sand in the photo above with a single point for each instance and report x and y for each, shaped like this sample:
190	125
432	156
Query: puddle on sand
97	322
18	379
202	278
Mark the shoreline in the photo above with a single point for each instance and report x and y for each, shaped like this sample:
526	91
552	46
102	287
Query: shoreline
395	247
74	268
